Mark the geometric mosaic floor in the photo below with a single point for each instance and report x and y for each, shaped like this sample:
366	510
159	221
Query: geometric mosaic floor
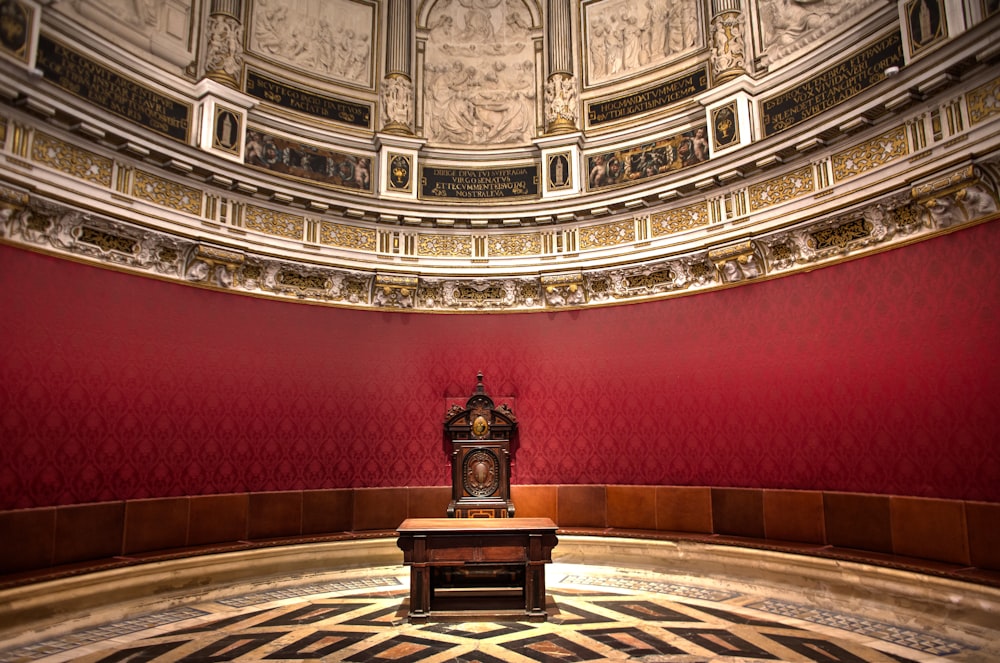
595	614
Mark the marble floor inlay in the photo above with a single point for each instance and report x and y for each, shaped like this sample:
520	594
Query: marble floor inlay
595	614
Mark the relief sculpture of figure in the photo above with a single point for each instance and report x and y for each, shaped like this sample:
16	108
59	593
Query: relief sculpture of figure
479	83
308	38
561	108
789	25
225	53
397	103
624	37
728	49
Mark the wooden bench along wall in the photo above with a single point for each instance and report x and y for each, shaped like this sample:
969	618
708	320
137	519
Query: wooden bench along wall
954	538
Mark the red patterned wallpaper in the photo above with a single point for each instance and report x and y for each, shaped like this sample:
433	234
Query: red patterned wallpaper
879	375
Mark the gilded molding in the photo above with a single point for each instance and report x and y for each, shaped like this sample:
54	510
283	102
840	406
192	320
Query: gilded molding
271	222
871	154
963	196
679	220
348	237
459	246
983	102
70	159
166	193
782	188
522	244
607	234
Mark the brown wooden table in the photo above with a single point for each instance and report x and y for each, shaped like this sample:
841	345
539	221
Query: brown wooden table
477	568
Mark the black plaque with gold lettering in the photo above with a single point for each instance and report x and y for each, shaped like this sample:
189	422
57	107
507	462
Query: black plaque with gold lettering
651	98
832	86
303	101
111	91
478	183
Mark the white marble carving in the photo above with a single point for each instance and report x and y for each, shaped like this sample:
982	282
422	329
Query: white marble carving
329	38
790	25
160	27
728	45
397	103
479	73
624	37
561	103
225	51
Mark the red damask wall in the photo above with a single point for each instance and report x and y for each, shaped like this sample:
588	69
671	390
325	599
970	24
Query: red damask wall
879	375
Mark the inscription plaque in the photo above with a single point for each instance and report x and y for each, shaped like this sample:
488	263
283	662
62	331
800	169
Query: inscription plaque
832	86
651	98
303	101
479	183
111	91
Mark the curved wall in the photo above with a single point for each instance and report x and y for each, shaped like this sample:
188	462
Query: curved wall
877	375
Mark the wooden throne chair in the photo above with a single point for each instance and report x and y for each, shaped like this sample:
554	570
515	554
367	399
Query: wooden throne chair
480	436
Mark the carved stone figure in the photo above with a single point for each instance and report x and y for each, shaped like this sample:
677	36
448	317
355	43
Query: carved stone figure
789	25
561	106
728	48
161	27
397	104
564	295
625	37
225	50
479	73
326	37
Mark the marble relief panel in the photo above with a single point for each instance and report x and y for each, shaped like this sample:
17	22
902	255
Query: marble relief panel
624	38
161	27
332	39
787	26
479	72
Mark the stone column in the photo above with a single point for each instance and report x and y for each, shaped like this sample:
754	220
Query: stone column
224	52
729	53
561	99
396	90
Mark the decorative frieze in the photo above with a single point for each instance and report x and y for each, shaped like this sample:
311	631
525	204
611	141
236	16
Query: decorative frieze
271	222
444	245
166	193
506	246
647	161
679	219
871	154
962	196
480	294
561	290
983	102
738	262
607	234
950	200
70	159
348	237
293	158
392	291
782	188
